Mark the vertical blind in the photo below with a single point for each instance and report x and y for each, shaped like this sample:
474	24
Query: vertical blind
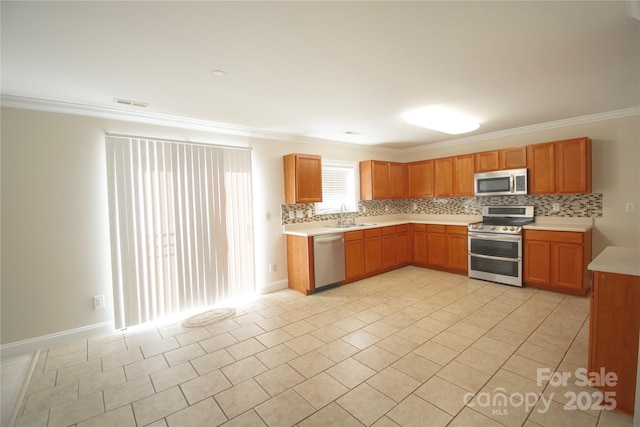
181	226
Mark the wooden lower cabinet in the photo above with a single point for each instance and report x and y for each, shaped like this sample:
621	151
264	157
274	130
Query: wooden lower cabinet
419	237
440	247
614	324
354	255
300	263
457	249
436	246
402	245
557	260
388	247
372	251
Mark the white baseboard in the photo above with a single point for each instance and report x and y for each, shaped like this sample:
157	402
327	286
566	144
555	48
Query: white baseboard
56	340
273	286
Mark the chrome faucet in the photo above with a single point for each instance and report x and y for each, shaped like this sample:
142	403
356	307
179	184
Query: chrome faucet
343	208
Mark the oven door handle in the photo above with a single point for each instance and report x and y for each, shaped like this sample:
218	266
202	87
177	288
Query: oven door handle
497	258
512	179
488	236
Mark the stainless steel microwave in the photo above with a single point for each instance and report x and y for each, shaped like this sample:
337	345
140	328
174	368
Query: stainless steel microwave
501	183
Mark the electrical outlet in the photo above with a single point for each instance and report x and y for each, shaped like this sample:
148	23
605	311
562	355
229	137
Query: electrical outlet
98	302
631	207
299	213
272	267
415	207
555	207
292	215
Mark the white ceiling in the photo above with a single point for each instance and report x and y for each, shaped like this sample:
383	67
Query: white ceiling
321	69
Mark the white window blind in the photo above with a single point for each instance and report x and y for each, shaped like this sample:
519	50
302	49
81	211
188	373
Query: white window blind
181	226
338	187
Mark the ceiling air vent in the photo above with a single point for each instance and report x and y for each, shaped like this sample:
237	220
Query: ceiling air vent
131	103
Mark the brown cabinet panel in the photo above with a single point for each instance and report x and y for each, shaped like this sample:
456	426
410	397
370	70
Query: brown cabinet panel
560	166
388	251
354	258
541	159
372	255
419	244
463	170
614	322
566	265
397	180
487	161
420	179
402	245
302	178
300	263
537	262
382	180
437	249
513	158
573	166
443	177
557	260
457	249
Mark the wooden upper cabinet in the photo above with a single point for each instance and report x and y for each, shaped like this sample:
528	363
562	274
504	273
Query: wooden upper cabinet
573	165
397	180
513	158
463	170
560	166
542	167
302	178
505	159
420	179
487	161
443	177
381	180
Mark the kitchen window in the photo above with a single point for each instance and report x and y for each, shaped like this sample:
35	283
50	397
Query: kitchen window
339	185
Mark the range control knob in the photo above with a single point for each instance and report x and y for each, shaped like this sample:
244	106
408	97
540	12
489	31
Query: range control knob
513	229
474	226
493	227
481	226
505	228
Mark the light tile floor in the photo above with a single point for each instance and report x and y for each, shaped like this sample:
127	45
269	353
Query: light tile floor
412	347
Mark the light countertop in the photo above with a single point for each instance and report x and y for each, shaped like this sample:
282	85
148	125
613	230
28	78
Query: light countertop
619	260
549	223
318	228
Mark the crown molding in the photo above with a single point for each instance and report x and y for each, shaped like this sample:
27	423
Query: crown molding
610	115
37	104
51	106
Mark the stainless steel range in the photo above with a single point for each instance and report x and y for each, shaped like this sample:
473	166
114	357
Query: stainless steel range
495	244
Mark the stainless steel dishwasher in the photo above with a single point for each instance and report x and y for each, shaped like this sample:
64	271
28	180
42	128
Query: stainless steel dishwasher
328	260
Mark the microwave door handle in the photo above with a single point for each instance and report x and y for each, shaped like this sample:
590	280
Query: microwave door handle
512	180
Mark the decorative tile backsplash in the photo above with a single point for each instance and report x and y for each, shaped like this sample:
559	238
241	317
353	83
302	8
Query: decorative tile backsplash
571	205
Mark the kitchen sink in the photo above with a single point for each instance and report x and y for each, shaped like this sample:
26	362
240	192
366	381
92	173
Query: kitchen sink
362	224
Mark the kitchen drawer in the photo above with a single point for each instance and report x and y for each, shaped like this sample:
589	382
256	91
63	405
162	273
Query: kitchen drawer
554	236
402	228
432	228
456	229
372	232
419	227
353	235
388	230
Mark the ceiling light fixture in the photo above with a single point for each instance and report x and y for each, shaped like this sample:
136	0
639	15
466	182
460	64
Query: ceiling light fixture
441	119
218	73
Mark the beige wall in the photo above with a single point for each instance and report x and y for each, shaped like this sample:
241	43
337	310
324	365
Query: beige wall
55	237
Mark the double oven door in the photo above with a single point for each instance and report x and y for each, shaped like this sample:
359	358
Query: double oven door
496	257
